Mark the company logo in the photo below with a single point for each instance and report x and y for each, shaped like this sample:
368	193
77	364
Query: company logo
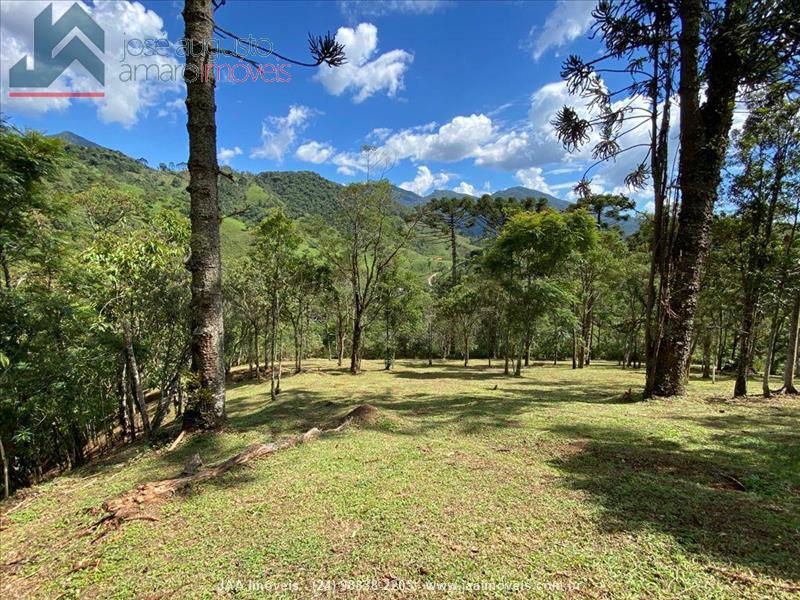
51	58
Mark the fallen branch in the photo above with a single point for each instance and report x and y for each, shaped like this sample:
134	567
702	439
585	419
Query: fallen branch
131	505
177	441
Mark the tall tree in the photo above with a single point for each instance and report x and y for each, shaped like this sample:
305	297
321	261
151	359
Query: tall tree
206	409
447	216
738	43
366	240
529	251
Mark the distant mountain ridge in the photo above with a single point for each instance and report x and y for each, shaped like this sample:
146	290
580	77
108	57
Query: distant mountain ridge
77	140
297	192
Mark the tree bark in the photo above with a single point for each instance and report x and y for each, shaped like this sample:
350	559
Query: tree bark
355	350
207	405
4	264
6	481
133	374
704	141
791	350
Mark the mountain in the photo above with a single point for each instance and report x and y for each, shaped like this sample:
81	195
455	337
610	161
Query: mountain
248	196
406	197
521	193
446	194
76	140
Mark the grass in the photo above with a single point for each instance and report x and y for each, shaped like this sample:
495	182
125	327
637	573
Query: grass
550	485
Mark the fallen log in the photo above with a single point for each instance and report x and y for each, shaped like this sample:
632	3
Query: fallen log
131	505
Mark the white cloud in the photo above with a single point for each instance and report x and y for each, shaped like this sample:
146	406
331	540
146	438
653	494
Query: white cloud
125	102
466	188
364	74
460	138
172	107
278	134
379	134
425	181
532	178
375	8
568	20
226	155
314	152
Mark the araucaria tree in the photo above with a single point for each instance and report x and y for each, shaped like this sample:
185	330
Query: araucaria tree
447	217
207	404
713	50
206	409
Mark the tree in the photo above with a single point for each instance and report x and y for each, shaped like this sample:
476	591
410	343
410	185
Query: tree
739	43
400	306
529	250
768	152
715	49
447	216
276	254
606	206
26	162
206	409
362	247
461	306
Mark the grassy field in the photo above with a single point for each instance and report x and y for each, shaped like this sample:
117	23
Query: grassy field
552	485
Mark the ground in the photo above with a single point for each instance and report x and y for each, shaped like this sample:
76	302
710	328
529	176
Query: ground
553	485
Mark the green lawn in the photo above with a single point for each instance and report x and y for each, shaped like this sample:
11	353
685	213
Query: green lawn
549	484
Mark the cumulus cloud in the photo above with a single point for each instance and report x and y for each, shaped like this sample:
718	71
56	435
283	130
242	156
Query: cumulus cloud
569	20
226	155
425	181
314	152
279	134
460	138
532	178
365	74
466	188
125	102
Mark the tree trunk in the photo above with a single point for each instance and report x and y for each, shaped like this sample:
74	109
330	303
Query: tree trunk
4	264
574	348
280	362
707	355
129	401
430	342
791	350
133	374
255	343
355	358
506	355
273	320
122	400
704	139
207	406
6	481
453	256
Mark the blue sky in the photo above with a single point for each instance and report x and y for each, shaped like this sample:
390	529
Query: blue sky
454	95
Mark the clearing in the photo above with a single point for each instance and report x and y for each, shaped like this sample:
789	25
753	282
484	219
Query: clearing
468	483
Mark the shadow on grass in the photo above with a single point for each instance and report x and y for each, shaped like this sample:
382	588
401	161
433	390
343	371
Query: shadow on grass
738	504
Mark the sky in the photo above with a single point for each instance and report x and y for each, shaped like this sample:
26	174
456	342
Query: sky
451	94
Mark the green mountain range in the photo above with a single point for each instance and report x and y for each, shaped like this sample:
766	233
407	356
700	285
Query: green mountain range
244	197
